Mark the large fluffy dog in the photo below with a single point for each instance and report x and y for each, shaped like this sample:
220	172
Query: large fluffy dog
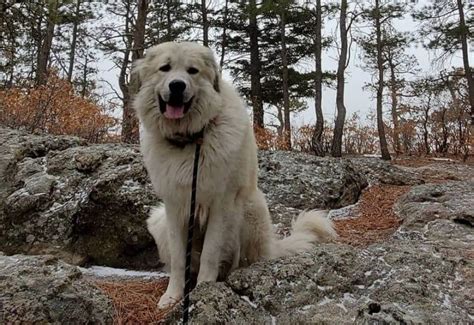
182	96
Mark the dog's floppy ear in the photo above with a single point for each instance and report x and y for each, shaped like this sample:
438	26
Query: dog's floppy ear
140	68
211	62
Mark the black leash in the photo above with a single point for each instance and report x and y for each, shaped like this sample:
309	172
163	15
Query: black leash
189	244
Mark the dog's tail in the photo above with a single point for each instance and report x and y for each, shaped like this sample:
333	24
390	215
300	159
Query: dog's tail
309	228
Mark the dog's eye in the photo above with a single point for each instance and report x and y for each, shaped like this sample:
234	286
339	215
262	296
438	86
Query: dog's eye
165	68
193	70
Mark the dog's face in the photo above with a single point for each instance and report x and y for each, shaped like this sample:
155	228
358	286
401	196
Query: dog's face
179	74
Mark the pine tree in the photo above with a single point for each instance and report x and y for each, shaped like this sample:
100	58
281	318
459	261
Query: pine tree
345	24
445	26
399	64
379	16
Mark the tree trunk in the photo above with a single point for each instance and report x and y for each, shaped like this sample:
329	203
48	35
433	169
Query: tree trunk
394	108
316	141
425	129
255	66
224	34
280	120
130	130
286	95
205	24
44	53
169	23
122	79
380	126
444	143
341	67
74	40
84	77
465	57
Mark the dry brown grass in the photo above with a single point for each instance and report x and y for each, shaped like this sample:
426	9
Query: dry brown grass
135	301
374	218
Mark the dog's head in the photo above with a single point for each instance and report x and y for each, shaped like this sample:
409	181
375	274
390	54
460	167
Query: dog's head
176	79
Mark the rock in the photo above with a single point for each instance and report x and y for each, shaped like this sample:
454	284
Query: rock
302	181
44	290
423	274
84	203
446	171
380	171
427	203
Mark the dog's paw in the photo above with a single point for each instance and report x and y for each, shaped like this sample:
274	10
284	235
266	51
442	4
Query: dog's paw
168	300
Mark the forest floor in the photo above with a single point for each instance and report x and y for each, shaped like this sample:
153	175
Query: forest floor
371	220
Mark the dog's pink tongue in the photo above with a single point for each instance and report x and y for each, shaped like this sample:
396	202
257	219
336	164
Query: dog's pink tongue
174	112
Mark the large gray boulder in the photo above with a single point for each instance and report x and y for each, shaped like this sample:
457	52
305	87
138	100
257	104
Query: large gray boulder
302	181
379	171
446	170
85	203
45	290
423	274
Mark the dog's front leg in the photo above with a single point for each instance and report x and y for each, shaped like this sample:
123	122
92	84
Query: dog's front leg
176	241
222	236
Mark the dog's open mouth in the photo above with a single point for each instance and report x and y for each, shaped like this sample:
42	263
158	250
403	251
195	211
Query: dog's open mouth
175	107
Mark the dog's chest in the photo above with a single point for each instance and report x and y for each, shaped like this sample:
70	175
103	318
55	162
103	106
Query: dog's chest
171	172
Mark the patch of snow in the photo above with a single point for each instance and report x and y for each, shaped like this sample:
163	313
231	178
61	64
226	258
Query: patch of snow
371	155
324	301
446	301
247	299
443	159
381	259
321	288
349	297
104	271
341	305
274	321
342	213
55	207
131	185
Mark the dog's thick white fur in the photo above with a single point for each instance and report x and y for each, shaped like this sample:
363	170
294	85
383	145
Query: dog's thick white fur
234	222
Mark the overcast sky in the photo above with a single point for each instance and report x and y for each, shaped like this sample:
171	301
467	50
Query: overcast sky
356	98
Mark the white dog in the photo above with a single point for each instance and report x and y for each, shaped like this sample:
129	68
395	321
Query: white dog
182	96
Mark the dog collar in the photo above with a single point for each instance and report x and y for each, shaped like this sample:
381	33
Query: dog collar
181	140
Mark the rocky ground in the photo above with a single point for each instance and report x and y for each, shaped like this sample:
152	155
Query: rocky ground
404	254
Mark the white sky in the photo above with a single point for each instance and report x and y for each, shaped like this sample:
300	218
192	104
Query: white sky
356	98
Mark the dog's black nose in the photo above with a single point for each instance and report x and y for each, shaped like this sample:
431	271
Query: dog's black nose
177	86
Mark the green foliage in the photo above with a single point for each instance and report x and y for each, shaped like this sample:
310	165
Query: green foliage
440	28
